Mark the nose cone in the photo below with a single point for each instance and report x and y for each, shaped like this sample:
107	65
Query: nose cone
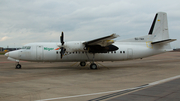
13	54
7	54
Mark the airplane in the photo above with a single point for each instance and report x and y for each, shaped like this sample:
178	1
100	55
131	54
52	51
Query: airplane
101	49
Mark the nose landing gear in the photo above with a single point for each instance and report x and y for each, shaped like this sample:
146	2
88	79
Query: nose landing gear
18	66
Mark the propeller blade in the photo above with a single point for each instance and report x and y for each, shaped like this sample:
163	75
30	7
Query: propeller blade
62	42
61	55
63	50
62	38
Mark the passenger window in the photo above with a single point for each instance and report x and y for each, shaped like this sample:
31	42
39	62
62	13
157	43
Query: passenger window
56	52
123	51
120	51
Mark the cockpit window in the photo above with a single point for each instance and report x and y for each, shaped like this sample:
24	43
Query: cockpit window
26	47
23	47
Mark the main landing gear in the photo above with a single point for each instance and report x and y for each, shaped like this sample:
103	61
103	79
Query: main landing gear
18	66
83	64
92	66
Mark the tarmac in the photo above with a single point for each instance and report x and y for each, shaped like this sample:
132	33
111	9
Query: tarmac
133	80
168	91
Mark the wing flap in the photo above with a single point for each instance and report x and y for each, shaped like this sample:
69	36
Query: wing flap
104	41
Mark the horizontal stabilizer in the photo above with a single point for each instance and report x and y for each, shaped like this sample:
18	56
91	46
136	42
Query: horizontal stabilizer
163	41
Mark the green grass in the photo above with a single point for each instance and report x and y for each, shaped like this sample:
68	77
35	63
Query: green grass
2	53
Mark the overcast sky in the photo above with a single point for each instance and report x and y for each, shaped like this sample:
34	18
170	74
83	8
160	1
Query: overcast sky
26	21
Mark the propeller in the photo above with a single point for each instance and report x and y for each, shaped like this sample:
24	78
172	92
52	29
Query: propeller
62	45
62	38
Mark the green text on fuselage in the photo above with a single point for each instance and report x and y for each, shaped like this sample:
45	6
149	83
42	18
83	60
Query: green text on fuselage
46	48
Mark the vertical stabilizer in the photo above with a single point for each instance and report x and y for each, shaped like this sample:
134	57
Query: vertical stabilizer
159	27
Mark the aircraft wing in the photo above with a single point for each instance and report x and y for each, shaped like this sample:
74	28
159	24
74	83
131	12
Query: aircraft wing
104	41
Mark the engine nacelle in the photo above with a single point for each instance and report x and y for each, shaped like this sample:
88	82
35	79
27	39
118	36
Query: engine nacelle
74	46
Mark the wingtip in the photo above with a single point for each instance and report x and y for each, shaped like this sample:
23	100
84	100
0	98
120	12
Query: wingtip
115	35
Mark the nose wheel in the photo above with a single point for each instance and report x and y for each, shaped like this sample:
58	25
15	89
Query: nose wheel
18	66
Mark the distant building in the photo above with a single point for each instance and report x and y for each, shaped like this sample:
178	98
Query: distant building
1	49
8	49
11	49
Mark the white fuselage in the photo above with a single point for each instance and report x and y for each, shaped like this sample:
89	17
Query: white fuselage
48	52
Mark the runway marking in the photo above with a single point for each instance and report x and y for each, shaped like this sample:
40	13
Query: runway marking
118	93
150	84
164	80
86	94
121	93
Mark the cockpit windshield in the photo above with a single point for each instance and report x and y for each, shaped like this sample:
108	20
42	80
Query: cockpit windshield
26	47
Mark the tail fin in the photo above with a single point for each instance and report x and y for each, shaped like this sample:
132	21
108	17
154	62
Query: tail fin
158	33
159	27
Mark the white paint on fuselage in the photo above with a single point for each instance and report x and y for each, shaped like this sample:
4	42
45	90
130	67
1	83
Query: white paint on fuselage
45	52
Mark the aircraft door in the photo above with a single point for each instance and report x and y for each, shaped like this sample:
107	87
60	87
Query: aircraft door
39	53
129	53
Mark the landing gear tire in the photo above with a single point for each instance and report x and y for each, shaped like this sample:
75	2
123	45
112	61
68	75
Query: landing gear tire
93	66
18	66
83	64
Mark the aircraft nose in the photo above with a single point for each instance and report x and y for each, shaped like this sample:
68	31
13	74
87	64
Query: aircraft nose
7	54
12	54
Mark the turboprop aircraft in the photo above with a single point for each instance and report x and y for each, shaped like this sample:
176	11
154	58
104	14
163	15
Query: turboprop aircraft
102	49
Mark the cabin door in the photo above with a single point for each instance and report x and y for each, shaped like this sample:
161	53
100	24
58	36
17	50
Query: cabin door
39	53
129	53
